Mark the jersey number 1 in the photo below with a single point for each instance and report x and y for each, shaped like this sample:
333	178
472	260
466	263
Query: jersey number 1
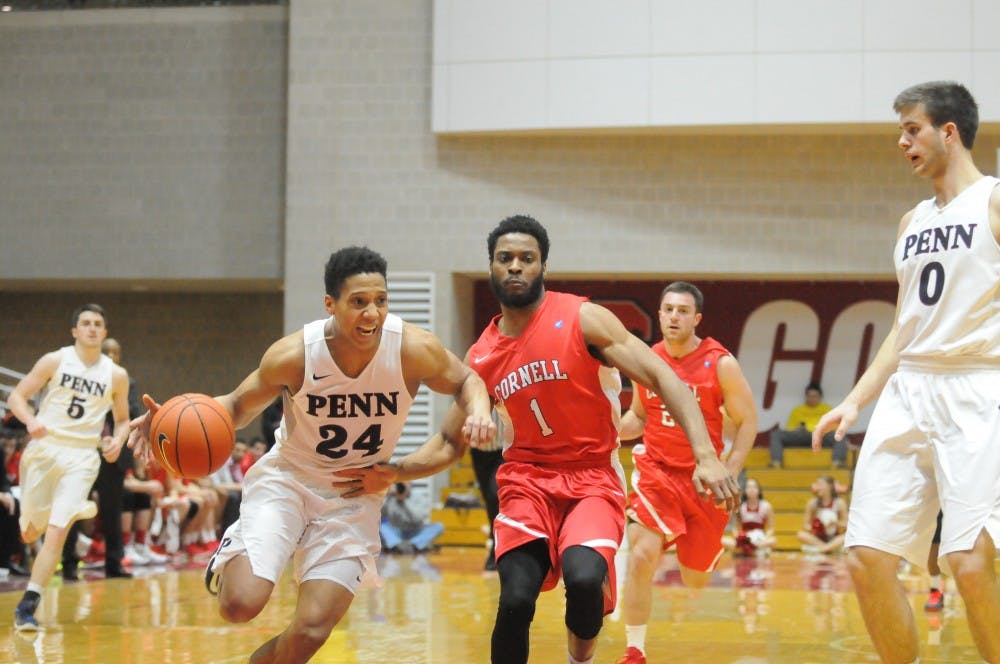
542	424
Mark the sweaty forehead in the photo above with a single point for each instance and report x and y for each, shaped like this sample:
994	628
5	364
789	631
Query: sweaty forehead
365	283
517	243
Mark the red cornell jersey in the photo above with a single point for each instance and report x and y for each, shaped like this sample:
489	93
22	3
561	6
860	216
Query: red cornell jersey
558	404
664	439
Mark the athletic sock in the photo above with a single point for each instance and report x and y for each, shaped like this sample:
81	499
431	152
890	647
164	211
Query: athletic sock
589	660
140	537
936	582
635	637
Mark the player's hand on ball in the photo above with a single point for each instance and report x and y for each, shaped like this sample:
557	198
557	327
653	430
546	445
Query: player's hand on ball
138	436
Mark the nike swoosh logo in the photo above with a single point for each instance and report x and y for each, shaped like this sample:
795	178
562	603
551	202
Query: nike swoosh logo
480	359
315	377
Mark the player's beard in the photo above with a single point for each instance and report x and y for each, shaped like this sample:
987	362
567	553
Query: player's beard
517	300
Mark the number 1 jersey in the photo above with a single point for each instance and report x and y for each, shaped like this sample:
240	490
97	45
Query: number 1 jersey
336	422
559	405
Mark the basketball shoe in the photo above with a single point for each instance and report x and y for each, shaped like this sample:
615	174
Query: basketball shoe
935	601
632	656
24	620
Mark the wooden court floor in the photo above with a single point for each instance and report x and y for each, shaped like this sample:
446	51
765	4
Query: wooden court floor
440	608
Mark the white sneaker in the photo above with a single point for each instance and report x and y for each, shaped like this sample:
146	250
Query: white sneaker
152	557
82	546
135	555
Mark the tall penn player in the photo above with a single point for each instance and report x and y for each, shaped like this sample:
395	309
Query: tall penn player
933	441
347	382
664	508
549	361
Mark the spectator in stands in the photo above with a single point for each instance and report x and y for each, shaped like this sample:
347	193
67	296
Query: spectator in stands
798	430
142	494
753	533
257	449
11	545
825	519
228	483
403	531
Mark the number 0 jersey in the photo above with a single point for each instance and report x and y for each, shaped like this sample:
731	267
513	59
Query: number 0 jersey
664	441
336	422
559	404
948	265
77	399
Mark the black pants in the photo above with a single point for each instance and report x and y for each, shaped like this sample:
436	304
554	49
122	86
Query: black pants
109	485
10	534
485	464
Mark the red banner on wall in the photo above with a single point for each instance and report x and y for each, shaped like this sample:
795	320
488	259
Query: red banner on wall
785	334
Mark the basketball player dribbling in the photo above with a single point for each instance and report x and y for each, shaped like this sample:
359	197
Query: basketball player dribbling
60	463
550	362
934	438
347	382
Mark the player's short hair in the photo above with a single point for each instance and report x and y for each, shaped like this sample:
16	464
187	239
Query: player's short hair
348	262
944	101
95	308
685	287
520	223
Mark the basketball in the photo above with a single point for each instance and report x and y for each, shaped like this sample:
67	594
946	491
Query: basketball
192	435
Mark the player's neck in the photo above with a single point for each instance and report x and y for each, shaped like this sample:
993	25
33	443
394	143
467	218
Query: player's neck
88	356
679	349
960	174
514	319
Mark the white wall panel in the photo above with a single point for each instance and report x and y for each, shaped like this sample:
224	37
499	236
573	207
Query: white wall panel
808	25
486	30
507	94
709	26
726	93
808	88
585	28
893	25
598	92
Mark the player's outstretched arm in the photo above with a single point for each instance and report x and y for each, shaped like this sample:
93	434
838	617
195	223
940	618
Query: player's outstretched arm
603	332
741	410
28	387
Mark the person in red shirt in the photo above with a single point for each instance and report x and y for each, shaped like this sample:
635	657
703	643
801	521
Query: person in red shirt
550	361
664	508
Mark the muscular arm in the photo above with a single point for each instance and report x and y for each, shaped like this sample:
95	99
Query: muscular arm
603	331
740	408
27	387
634	420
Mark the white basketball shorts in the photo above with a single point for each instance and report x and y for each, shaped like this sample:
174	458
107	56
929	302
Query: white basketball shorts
55	481
933	442
330	538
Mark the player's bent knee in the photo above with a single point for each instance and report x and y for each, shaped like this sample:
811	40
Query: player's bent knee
238	609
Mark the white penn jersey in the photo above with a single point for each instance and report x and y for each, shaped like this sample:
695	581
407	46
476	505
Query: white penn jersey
948	265
77	399
336	422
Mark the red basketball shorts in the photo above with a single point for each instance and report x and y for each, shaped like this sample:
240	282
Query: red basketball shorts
566	507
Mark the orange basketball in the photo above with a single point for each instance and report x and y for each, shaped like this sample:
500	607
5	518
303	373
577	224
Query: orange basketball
192	435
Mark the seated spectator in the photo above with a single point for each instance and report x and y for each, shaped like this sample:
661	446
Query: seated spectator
228	483
142	492
11	546
798	430
257	449
754	524
826	519
403	531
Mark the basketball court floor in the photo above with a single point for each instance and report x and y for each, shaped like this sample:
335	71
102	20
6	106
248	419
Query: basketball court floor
439	608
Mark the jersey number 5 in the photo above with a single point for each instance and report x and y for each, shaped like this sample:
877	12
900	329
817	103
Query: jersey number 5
75	409
335	436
